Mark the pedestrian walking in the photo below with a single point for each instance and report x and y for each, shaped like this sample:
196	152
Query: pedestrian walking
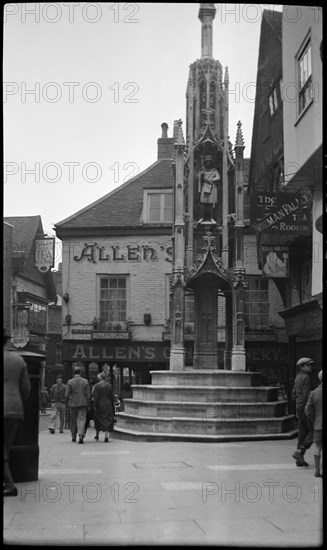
313	410
103	404
78	395
17	388
58	400
44	399
300	394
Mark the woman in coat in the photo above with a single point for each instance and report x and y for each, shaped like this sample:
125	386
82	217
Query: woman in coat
103	404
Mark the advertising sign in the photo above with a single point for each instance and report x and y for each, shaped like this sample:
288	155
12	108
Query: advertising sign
20	337
282	212
275	260
44	254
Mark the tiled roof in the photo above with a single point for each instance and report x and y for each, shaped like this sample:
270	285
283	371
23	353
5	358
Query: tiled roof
124	205
24	231
274	18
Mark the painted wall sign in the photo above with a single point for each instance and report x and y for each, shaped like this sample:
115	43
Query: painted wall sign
275	260
282	213
94	252
159	352
44	254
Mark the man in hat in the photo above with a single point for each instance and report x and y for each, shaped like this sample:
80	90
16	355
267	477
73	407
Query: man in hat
313	410
300	394
58	400
208	189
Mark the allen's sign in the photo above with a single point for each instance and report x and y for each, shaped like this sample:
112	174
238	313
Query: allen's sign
283	213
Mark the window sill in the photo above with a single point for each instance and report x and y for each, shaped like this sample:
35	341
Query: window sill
303	112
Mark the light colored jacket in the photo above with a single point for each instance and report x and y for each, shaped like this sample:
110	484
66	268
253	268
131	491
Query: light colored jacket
17	385
78	392
313	408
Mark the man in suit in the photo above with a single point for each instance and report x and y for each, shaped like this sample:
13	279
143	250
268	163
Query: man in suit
58	400
78	394
16	388
313	410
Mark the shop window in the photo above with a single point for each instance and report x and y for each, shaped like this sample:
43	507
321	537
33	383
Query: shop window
304	78
37	318
112	298
158	206
256	303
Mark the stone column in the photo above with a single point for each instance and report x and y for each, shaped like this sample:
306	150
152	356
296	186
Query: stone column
228	330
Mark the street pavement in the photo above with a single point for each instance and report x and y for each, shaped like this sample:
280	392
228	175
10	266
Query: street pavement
166	493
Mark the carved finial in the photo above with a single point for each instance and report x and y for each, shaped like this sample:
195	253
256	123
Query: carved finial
239	136
226	78
178	132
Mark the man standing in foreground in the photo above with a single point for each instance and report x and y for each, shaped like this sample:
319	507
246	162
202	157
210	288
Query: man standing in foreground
16	387
313	410
300	394
78	393
58	400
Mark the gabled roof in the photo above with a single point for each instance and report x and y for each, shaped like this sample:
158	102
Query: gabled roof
25	231
123	206
274	18
25	228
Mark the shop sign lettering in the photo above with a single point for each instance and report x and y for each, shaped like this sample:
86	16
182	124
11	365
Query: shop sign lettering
284	213
94	252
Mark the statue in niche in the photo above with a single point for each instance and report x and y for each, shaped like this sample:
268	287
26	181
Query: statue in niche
208	189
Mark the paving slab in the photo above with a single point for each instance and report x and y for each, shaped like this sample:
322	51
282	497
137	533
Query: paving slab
175	493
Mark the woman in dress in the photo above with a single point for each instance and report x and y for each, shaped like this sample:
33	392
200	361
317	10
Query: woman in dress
103	404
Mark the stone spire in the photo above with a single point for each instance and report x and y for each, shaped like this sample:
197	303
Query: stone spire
207	14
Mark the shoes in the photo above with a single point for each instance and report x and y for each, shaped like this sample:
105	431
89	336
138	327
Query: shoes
74	438
51	431
106	439
10	491
81	439
61	431
96	437
298	455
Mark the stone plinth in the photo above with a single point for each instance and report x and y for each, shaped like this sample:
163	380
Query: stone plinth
205	405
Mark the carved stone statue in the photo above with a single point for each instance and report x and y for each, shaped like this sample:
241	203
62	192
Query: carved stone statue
208	189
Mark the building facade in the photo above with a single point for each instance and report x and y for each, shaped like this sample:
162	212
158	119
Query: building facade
285	180
28	283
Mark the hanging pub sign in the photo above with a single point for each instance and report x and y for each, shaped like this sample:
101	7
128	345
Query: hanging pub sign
275	260
44	254
284	213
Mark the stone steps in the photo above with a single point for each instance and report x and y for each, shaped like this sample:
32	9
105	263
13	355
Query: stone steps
202	394
217	377
198	426
205	405
213	410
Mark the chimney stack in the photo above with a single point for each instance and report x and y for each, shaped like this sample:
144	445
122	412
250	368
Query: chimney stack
165	144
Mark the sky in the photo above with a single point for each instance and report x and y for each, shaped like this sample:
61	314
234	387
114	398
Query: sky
88	85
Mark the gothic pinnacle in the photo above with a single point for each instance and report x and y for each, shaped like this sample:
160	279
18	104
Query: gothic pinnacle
239	142
207	14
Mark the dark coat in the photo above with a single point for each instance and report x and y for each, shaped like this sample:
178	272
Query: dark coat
302	389
17	385
103	403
